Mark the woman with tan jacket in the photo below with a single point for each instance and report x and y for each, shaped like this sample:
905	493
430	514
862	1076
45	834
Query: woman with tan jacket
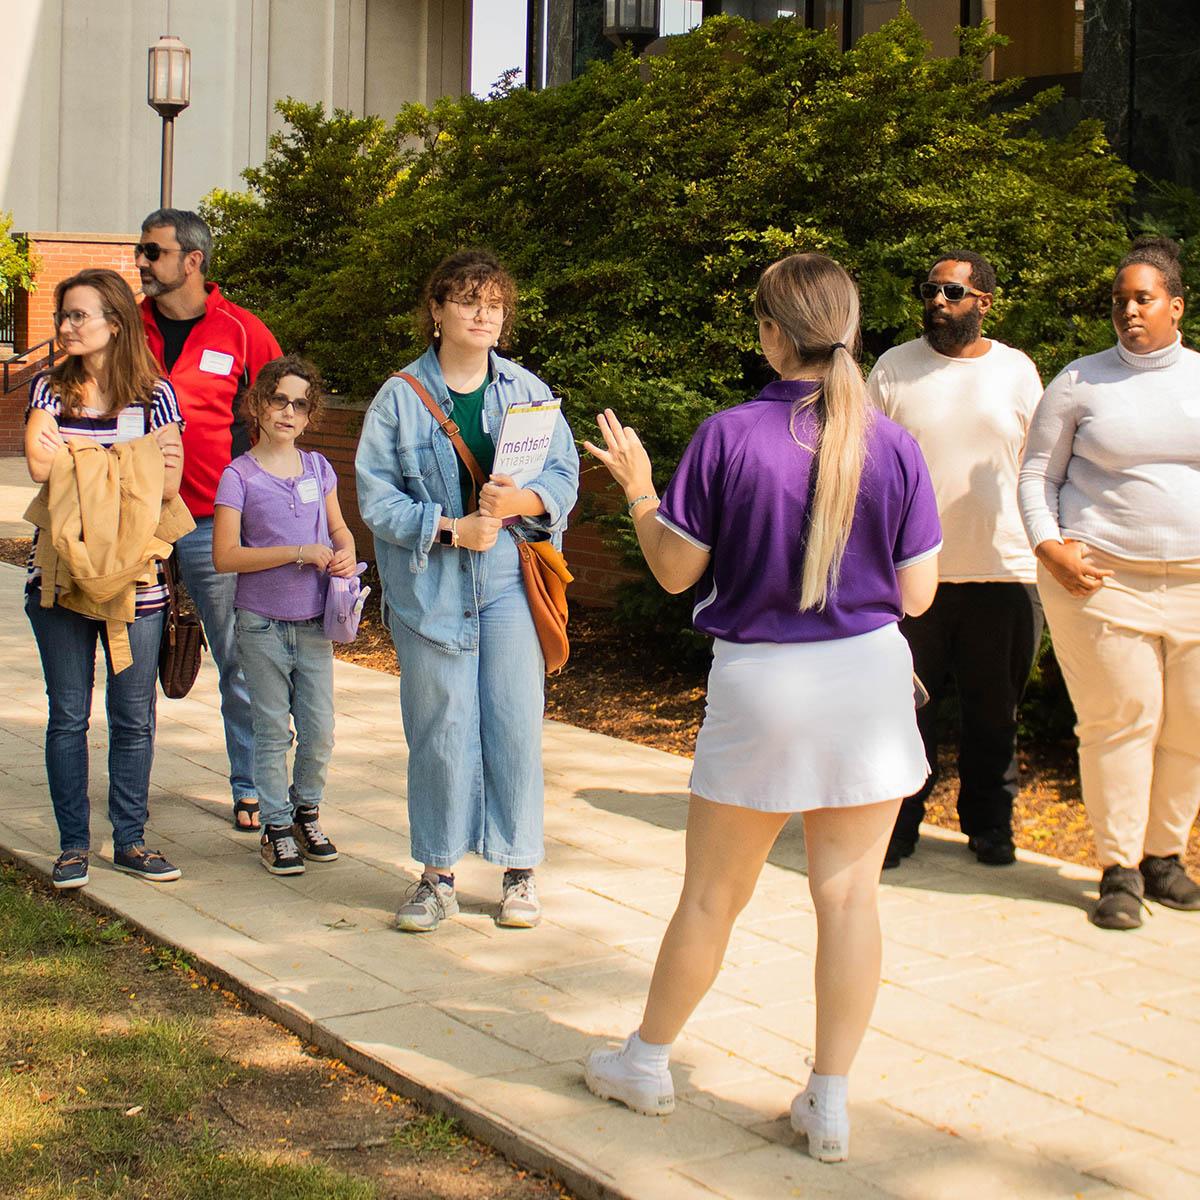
105	389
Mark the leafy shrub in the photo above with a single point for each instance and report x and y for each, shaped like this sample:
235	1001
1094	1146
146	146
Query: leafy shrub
638	204
17	265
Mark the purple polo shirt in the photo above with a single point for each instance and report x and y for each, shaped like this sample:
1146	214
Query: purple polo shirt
740	492
279	512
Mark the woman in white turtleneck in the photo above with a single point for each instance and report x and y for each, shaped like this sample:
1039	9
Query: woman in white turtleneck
1110	495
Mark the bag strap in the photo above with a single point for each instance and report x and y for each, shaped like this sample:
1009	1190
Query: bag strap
322	512
450	429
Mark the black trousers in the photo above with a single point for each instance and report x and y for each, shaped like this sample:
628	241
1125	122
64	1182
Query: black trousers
985	637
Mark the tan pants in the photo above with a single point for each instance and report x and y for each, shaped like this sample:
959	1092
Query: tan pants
1130	654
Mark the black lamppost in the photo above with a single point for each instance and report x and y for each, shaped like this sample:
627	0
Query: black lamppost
631	22
168	92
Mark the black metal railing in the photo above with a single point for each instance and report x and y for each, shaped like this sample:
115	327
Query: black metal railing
28	361
8	316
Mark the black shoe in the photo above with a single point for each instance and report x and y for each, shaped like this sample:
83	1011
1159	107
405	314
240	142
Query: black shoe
70	869
279	852
993	847
310	837
898	847
149	865
1167	882
1120	905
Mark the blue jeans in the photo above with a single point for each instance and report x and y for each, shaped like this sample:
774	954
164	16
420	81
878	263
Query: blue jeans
289	666
473	722
213	595
67	643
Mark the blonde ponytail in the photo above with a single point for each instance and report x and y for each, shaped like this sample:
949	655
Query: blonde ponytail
815	304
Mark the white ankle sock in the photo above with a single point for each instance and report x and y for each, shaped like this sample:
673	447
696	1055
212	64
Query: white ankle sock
831	1091
647	1056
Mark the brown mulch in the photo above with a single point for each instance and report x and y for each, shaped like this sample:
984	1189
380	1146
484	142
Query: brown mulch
628	688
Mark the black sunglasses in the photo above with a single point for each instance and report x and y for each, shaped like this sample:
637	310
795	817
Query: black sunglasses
954	292
152	251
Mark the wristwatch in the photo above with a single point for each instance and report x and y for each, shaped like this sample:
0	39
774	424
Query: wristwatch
445	537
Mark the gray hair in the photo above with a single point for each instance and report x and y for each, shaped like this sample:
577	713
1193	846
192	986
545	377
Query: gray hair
191	230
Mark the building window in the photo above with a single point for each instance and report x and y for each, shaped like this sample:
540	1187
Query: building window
1045	40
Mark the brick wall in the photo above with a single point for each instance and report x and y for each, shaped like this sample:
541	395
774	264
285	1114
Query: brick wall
596	567
59	255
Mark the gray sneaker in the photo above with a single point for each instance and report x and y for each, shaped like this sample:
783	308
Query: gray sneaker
520	907
425	904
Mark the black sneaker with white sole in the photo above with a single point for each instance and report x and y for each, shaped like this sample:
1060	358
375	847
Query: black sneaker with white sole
310	837
70	869
149	865
279	852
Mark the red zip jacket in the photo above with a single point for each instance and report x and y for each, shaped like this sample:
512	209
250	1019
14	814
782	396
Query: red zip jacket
223	353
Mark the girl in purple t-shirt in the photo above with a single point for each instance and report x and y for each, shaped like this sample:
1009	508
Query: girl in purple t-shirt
278	525
810	528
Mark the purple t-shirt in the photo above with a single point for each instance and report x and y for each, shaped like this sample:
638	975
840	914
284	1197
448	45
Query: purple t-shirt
279	512
740	492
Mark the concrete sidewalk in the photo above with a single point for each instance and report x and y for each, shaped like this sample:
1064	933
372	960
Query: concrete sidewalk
1015	1051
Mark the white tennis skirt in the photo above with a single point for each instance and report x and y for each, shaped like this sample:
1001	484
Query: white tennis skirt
802	725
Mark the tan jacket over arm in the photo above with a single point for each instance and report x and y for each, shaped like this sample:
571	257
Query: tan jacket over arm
103	523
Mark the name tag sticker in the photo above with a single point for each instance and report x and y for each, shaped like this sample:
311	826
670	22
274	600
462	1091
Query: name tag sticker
216	363
307	490
131	423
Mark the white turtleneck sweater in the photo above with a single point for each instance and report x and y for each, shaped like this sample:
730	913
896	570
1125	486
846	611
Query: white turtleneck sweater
1113	455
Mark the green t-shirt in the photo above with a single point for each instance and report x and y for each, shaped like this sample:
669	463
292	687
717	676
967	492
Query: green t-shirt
468	416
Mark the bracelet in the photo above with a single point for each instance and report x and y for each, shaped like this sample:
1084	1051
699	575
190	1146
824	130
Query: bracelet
454	531
634	503
299	556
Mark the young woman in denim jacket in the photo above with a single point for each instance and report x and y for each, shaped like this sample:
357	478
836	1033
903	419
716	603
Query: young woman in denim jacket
471	669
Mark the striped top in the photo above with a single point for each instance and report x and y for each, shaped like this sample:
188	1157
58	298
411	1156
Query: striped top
107	430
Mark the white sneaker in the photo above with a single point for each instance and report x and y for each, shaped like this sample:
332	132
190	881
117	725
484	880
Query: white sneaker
425	904
826	1125
520	907
612	1075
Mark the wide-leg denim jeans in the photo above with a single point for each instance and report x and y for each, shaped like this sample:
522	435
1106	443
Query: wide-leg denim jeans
212	592
473	723
289	668
66	642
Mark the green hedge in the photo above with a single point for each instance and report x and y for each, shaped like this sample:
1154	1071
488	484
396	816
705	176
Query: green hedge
638	204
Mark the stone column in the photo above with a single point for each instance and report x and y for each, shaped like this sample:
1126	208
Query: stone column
1107	88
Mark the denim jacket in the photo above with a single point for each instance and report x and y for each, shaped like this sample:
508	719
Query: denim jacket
407	473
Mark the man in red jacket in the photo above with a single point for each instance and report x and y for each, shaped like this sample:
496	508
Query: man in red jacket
210	350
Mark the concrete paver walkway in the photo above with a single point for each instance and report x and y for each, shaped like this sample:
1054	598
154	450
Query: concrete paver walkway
1015	1050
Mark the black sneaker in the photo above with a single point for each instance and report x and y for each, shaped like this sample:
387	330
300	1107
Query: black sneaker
70	869
310	837
279	852
145	864
1167	882
898	847
1120	904
993	847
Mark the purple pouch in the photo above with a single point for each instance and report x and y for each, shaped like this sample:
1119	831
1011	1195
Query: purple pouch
343	606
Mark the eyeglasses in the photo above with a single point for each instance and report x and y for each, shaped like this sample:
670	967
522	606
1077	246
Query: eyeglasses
75	318
280	402
152	251
491	310
954	292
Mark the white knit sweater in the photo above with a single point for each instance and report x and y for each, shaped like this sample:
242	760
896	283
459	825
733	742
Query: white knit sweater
1113	455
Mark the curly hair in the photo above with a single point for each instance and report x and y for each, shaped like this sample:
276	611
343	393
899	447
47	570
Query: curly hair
465	275
1162	254
263	388
983	274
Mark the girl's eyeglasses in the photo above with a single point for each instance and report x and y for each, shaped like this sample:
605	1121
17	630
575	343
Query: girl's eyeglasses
279	403
76	318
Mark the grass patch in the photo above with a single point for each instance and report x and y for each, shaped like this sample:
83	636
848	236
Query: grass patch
98	1081
433	1134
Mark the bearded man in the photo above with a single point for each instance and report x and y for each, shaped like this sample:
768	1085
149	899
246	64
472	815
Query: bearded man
968	400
